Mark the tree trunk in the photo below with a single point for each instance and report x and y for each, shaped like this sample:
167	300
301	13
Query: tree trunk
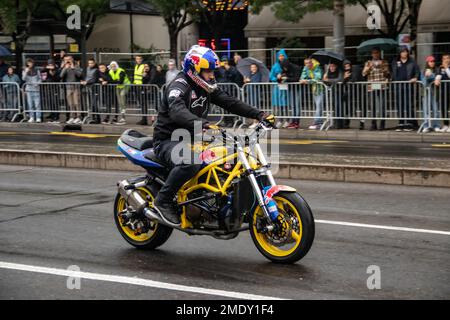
414	9
338	28
173	40
19	48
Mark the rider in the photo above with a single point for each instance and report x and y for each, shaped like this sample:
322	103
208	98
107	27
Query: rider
186	101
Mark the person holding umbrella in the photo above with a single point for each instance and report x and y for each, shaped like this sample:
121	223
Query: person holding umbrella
253	71
333	77
351	74
377	72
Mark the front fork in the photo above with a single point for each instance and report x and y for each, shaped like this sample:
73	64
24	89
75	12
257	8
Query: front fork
257	190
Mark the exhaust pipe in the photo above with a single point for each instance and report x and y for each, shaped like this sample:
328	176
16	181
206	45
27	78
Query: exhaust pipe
132	197
136	201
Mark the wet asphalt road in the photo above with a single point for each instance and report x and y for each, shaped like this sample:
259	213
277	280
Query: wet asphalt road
61	217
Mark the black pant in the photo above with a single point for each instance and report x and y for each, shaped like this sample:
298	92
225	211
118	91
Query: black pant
181	170
93	96
405	101
377	98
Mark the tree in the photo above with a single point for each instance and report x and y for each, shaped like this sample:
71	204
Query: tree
20	18
90	10
16	19
414	10
397	13
177	14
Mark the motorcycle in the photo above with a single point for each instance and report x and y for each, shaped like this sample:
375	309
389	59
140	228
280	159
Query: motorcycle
235	191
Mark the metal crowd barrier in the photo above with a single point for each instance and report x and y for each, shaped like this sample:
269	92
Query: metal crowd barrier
290	100
9	101
402	101
221	116
89	102
436	108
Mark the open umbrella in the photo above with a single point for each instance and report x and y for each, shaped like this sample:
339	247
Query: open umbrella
327	57
243	67
4	51
384	44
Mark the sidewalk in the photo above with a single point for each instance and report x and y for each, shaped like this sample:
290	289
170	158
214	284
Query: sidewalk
350	134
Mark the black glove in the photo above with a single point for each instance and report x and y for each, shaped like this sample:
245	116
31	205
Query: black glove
208	126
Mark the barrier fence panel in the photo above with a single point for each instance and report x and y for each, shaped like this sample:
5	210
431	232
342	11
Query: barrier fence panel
437	109
290	101
54	99
233	90
143	100
9	101
405	102
89	102
402	101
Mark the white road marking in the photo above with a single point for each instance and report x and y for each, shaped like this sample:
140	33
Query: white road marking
133	281
374	226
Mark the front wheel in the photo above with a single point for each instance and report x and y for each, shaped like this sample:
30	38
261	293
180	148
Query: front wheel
146	234
294	230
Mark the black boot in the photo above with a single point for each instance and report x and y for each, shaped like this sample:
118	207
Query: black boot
373	127
361	125
168	210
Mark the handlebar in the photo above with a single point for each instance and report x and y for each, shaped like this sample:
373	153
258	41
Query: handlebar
254	135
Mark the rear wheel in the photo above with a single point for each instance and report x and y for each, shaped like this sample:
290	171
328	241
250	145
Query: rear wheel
140	232
294	232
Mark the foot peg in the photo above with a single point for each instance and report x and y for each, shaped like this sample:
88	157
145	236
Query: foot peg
154	214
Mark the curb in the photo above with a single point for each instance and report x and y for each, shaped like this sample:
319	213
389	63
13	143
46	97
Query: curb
302	171
352	134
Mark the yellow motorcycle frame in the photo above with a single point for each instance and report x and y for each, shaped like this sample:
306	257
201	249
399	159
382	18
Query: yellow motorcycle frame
247	158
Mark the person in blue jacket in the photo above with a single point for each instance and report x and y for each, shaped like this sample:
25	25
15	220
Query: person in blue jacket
279	97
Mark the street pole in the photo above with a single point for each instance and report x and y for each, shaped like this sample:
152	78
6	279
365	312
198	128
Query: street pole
83	49
129	9
338	26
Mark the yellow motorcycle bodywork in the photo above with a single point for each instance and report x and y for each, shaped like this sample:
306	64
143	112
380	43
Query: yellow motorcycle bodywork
211	181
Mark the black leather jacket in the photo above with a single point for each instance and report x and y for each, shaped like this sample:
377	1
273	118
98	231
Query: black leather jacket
184	103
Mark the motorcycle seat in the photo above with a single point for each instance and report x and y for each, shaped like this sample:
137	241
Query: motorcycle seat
153	157
136	140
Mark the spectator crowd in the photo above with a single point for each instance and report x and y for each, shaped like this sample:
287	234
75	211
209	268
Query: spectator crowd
372	96
79	90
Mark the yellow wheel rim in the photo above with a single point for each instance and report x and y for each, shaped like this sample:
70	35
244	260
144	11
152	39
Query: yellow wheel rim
286	209
127	230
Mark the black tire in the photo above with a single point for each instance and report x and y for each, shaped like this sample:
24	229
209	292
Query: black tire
308	230
158	238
